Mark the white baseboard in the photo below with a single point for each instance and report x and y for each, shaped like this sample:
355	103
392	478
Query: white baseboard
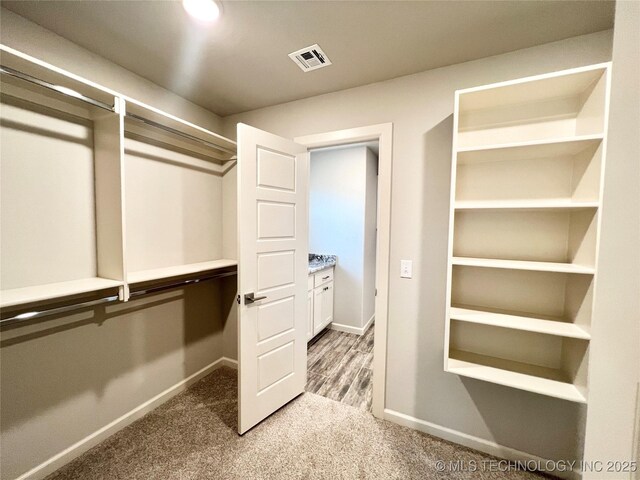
349	329
477	443
54	463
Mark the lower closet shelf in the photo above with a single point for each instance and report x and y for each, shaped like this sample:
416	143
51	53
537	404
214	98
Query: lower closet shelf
175	271
532	378
19	296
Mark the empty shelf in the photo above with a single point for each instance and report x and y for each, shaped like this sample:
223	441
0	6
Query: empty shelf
523	265
519	322
19	296
525	205
555	147
175	271
532	378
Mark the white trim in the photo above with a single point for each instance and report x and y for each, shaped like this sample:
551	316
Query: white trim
470	441
65	456
384	134
350	329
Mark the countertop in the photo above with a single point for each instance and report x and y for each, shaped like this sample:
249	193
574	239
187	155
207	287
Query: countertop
319	262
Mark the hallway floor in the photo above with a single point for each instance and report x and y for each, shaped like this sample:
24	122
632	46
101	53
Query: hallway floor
193	437
339	367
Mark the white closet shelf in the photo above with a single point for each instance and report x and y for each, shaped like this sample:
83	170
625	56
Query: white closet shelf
523	265
532	378
558	204
19	296
520	321
552	147
175	271
536	89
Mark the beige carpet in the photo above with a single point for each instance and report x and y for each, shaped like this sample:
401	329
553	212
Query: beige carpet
193	436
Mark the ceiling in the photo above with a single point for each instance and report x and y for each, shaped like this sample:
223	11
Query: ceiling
240	63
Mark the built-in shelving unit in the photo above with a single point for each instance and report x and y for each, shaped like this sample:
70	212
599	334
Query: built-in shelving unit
100	190
528	157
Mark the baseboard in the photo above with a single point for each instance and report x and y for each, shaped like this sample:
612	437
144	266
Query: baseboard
349	329
369	322
54	463
470	441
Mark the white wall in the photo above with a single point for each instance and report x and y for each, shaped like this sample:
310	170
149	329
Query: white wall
65	379
337	213
370	236
614	371
420	107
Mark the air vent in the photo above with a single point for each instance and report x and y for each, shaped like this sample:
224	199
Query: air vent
310	58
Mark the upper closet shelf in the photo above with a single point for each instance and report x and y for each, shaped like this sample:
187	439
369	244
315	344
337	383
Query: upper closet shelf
35	81
560	204
25	295
167	129
178	270
522	265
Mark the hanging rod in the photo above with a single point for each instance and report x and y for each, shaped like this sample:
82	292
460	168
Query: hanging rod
56	88
23	317
171	286
182	134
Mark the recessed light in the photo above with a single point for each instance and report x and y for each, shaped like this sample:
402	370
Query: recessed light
202	10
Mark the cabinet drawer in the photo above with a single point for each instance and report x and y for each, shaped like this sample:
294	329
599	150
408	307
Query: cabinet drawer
310	283
323	277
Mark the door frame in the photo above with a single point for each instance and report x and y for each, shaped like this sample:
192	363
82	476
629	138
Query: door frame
383	133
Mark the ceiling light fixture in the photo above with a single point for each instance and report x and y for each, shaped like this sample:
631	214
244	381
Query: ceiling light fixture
202	10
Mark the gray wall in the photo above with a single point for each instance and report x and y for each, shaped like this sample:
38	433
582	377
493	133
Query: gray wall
615	349
370	237
420	107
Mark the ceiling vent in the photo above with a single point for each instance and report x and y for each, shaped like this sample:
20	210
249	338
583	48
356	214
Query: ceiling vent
310	58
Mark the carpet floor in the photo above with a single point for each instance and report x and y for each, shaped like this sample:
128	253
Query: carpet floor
193	436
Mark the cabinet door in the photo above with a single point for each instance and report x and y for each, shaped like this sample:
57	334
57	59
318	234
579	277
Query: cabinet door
309	314
317	310
327	304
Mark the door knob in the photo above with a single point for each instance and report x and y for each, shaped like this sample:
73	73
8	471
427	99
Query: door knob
249	298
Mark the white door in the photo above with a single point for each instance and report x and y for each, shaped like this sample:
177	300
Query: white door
272	273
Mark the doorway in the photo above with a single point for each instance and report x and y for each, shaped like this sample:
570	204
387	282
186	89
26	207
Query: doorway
343	184
371	333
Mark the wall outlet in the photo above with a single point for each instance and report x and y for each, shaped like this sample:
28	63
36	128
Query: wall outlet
406	268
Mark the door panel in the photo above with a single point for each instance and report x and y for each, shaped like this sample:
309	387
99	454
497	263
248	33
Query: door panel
273	261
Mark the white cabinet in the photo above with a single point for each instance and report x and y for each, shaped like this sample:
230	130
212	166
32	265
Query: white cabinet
320	302
309	315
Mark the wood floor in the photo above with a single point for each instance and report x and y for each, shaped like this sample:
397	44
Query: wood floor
339	367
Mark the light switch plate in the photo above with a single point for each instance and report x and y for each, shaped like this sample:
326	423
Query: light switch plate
406	268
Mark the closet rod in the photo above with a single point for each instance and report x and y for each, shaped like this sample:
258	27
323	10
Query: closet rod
56	88
23	317
171	286
182	134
